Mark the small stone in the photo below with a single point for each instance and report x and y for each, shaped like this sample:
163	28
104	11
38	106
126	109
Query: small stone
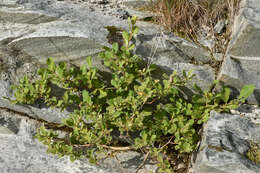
5	130
218	28
181	165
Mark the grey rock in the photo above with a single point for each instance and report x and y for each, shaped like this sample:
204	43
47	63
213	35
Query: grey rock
224	145
63	48
25	17
137	8
172	53
135	4
236	73
207	42
5	130
36	111
21	152
140	14
250	111
177	48
242	64
73	32
9	125
123	14
204	75
218	28
247	44
5	90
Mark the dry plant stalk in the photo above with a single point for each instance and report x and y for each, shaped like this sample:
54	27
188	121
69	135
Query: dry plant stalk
186	17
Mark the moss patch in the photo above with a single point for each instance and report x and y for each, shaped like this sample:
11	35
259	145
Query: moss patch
254	152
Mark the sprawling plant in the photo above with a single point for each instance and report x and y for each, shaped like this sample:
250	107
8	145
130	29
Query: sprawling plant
132	111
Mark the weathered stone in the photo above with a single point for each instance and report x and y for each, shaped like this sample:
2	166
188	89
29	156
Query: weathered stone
79	32
166	45
218	28
142	15
88	30
5	89
139	8
246	31
9	125
61	48
29	18
21	152
173	53
242	64
250	111
236	73
204	75
224	145
135	4
37	111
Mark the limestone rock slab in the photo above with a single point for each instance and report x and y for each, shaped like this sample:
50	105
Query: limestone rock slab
242	63
25	17
224	145
236	73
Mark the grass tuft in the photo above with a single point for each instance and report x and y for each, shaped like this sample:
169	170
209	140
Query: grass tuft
188	17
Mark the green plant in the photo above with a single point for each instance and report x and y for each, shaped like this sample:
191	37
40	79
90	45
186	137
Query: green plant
132	102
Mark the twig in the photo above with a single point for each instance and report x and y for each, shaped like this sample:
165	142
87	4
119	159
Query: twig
142	164
167	143
117	148
107	147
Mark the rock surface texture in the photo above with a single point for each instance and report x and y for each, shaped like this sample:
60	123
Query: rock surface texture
70	30
242	63
225	143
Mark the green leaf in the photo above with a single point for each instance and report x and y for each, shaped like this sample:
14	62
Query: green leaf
197	88
60	102
136	30
133	20
152	67
86	97
226	94
89	61
102	93
125	36
51	64
66	97
246	91
131	47
115	47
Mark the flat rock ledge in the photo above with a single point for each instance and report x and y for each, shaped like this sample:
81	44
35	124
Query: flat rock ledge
226	140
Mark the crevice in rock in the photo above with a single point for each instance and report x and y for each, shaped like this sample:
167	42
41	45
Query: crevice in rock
48	125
